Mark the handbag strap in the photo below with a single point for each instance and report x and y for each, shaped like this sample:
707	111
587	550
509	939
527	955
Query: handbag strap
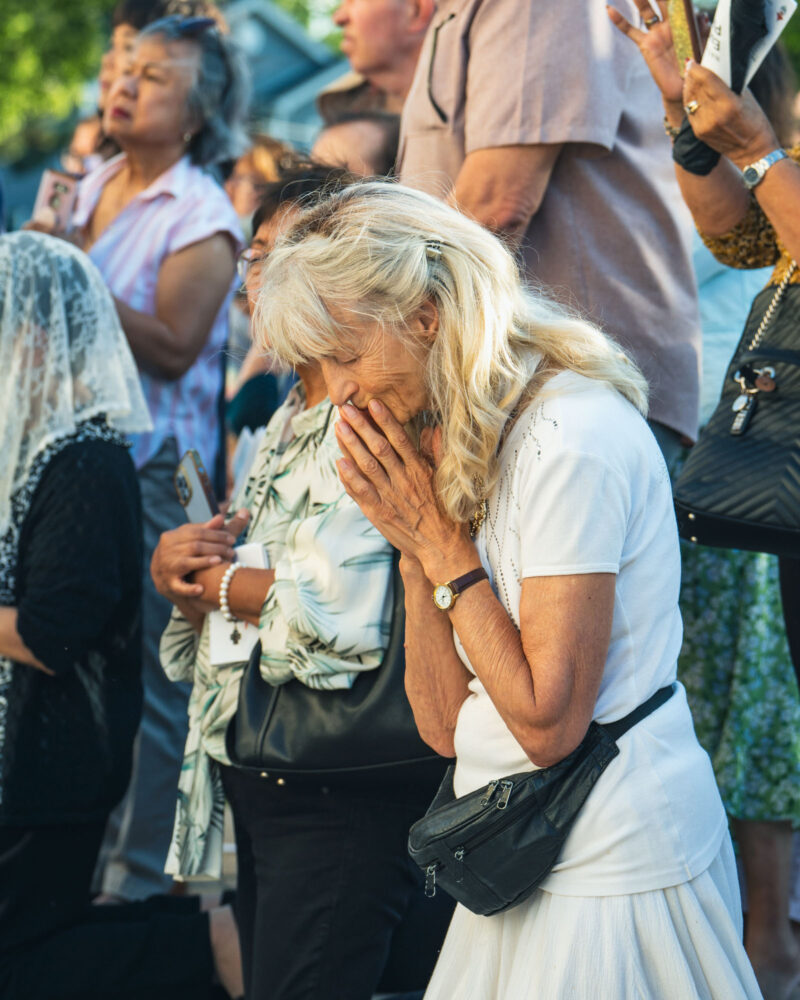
621	726
767	317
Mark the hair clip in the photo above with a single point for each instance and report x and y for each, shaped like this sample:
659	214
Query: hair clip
188	27
433	249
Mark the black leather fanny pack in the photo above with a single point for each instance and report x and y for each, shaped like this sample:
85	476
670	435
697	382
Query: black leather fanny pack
492	848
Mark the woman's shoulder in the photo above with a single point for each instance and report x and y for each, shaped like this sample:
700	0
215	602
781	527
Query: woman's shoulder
101	464
580	414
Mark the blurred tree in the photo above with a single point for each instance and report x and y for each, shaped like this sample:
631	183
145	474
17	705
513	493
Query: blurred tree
48	50
791	39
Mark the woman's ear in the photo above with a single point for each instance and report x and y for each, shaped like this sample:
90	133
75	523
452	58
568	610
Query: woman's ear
427	321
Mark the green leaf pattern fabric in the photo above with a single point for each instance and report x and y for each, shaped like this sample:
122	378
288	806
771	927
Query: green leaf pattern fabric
326	618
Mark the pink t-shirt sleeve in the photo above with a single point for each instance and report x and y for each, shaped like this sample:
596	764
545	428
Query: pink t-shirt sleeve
208	213
543	73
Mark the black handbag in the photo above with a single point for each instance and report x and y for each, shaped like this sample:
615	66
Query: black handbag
740	485
361	733
490	849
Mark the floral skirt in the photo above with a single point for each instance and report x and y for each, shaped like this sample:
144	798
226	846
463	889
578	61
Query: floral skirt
739	680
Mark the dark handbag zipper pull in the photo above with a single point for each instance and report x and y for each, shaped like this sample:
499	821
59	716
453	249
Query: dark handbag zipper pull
430	881
458	856
491	788
505	795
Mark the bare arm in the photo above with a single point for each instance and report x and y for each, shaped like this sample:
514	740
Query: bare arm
544	679
436	679
502	188
188	565
192	285
11	644
246	595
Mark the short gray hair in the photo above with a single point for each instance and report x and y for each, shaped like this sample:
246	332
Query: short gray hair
220	96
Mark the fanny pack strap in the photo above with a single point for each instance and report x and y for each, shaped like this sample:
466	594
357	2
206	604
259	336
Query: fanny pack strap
621	726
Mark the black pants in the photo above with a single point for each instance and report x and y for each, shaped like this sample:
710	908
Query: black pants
54	945
790	595
327	899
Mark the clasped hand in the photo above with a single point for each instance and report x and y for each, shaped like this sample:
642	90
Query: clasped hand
392	482
184	553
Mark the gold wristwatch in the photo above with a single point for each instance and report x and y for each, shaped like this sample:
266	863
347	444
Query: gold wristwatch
445	594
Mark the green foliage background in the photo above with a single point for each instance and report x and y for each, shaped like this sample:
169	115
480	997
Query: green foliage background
50	48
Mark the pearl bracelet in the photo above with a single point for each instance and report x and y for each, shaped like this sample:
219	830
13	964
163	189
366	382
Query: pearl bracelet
224	585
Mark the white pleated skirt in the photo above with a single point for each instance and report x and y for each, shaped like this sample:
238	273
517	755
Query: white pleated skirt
679	943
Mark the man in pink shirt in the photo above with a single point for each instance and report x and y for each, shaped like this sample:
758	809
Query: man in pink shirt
538	120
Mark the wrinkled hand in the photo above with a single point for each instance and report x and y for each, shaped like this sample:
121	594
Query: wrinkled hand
656	46
392	483
191	548
732	125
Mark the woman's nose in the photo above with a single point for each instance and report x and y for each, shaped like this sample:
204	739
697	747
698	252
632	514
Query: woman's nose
340	14
340	388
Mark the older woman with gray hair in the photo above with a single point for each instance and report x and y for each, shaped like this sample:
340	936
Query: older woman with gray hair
541	565
164	236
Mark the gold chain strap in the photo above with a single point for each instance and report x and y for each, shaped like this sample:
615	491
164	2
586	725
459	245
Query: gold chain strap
767	317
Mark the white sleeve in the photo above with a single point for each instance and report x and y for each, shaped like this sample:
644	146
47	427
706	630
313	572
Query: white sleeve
574	512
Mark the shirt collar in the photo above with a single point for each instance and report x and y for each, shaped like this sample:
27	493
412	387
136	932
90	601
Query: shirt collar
310	421
172	182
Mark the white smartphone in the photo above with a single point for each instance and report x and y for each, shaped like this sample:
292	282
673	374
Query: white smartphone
194	489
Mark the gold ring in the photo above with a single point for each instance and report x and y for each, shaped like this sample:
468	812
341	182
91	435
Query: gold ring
691	107
650	21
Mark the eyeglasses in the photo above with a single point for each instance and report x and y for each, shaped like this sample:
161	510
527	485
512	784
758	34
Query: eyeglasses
246	259
436	106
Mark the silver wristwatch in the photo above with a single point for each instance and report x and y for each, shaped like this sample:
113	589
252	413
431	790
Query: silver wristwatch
753	173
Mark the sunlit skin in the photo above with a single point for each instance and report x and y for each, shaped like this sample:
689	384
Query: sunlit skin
147	102
372	364
381	39
356	146
123	39
244	187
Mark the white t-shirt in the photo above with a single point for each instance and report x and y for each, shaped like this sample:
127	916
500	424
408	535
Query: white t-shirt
583	488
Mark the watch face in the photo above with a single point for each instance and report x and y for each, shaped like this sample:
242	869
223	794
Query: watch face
442	597
751	176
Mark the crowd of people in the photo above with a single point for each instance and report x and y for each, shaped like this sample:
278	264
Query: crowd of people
339	483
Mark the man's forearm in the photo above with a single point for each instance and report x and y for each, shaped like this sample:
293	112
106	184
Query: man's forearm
503	187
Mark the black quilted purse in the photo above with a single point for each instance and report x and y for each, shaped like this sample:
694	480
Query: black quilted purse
740	486
362	734
492	848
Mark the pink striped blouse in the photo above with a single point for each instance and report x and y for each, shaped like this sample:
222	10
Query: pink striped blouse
181	207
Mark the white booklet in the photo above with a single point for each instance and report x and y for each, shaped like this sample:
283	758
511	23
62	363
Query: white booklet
717	54
232	642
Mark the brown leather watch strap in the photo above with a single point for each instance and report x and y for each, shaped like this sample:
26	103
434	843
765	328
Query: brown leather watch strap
460	584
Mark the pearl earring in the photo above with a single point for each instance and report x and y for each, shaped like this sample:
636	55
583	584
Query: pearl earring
187	137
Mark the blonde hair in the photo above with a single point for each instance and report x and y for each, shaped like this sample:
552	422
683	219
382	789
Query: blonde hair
380	252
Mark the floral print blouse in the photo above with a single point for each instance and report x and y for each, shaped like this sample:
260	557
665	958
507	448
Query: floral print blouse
326	618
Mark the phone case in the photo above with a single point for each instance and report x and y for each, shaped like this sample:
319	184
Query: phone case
194	489
56	197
